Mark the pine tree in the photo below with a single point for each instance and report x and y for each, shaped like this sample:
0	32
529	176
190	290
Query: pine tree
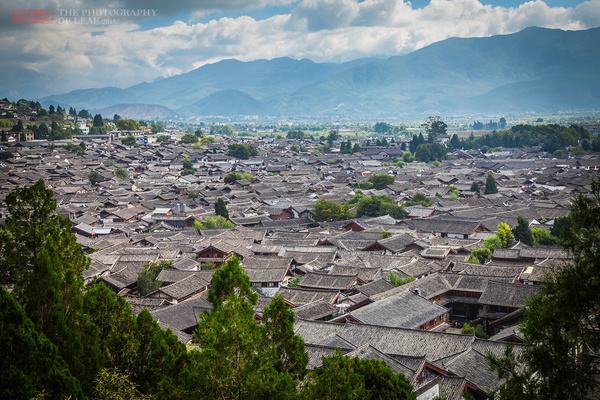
278	319
229	364
30	363
343	377
475	188
116	325
454	142
221	208
230	279
490	184
159	358
522	232
41	258
98	121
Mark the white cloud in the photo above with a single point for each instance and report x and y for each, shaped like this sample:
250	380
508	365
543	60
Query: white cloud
323	30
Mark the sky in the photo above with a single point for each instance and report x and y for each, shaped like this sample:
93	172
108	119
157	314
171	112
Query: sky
55	46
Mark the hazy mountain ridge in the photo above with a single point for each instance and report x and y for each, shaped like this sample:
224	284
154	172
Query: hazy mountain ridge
536	69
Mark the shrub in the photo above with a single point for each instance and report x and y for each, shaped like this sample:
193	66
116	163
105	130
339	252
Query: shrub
214	222
397	281
476	330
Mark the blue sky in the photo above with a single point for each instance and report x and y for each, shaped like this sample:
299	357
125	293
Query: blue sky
187	34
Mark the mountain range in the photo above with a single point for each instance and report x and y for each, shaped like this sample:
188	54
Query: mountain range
534	70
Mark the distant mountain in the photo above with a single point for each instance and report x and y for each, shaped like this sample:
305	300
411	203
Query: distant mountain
226	102
536	69
137	111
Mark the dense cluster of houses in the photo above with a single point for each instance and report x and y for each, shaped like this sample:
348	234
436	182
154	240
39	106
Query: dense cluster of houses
336	275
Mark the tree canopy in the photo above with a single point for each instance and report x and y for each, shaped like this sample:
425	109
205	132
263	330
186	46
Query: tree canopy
490	184
343	378
327	210
213	222
243	151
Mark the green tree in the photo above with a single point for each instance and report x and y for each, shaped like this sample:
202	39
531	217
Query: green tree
228	280
238	175
30	363
128	140
356	148
187	166
213	222
429	152
376	206
221	208
98	121
112	316
383	127
278	320
480	255
84	114
229	364
327	210
454	143
561	229
505	234
189	138
40	257
121	173
110	384
522	231
159	358
342	378
225	130
163	139
146	281
476	330
419	199
490	184
206	140
435	127
242	151
542	237
475	188
380	181
18	127
95	178
397	281
127	124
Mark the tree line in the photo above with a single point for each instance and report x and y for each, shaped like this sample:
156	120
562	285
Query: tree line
550	138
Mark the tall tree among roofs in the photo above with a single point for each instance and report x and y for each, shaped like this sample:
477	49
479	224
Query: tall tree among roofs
490	184
435	127
278	319
233	362
221	208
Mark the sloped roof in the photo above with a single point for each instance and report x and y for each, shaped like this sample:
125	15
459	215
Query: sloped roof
403	310
507	294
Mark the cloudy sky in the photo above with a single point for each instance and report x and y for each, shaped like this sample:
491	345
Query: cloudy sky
132	41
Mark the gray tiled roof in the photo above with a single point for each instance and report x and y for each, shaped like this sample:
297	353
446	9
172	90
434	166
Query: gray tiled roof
404	310
507	294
